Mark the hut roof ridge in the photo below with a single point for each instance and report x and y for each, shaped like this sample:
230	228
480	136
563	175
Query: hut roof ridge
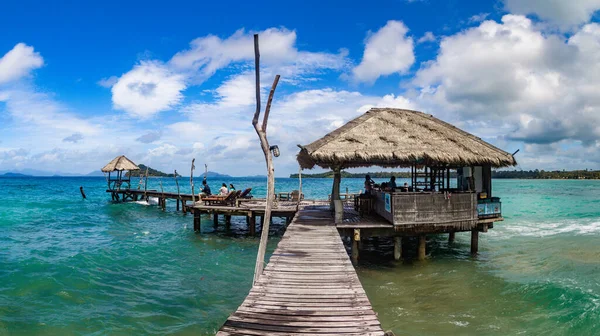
392	137
120	163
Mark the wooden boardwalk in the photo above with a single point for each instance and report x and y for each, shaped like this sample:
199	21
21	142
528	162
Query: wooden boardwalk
309	287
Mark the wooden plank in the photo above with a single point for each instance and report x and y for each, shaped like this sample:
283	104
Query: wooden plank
308	287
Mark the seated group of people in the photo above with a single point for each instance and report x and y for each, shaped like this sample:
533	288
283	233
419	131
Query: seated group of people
223	191
386	186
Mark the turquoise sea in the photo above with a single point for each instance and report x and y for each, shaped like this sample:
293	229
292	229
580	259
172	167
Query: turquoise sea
70	266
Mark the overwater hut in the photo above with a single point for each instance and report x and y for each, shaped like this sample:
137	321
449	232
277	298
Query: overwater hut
118	181
451	185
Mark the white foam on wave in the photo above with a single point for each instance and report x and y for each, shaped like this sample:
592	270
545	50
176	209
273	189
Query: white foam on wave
151	201
532	229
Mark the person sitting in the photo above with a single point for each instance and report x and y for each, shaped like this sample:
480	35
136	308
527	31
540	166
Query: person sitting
405	187
205	189
231	187
223	191
368	185
392	184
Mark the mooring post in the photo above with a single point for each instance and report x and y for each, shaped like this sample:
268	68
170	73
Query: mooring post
197	221
451	237
422	247
355	240
474	241
397	248
252	224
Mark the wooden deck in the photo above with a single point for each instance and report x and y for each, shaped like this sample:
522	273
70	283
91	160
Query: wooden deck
309	287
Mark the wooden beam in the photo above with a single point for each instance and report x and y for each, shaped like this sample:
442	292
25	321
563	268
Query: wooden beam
451	237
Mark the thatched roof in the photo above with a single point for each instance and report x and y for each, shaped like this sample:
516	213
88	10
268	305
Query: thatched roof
120	163
389	137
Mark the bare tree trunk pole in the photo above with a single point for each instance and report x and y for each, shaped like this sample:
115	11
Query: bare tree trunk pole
299	188
192	181
177	183
146	186
264	143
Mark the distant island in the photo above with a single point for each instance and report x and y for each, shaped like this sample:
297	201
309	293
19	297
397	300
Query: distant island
14	175
157	173
151	172
499	174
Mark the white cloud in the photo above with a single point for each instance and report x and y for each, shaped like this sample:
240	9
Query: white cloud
387	51
150	87
519	79
163	150
19	62
108	82
478	17
427	37
563	13
74	138
277	47
150	137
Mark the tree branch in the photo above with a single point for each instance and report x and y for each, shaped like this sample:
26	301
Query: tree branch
268	108
257	75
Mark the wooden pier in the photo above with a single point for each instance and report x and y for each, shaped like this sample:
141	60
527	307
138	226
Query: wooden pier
253	209
309	286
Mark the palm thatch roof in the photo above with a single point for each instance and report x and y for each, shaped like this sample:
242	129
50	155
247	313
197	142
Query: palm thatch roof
389	137
120	163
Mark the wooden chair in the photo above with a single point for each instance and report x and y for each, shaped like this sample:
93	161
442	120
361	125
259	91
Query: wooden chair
295	196
246	193
221	200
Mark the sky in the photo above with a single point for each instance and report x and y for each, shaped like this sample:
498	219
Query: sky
164	82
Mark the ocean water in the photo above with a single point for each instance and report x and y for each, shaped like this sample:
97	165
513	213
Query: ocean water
93	267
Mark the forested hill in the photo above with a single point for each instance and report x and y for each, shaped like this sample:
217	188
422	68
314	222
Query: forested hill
346	174
151	172
510	174
542	174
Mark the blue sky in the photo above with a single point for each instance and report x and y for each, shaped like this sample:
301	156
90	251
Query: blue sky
82	82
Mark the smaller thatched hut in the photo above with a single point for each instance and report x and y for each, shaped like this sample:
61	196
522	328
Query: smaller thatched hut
119	165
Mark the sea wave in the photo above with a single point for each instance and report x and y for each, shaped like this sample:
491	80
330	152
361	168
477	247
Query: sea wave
536	229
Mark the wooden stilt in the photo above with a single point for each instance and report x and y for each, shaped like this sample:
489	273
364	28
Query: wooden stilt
183	207
228	221
422	247
355	240
354	251
252	225
404	247
216	219
474	241
177	204
397	248
197	221
451	237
